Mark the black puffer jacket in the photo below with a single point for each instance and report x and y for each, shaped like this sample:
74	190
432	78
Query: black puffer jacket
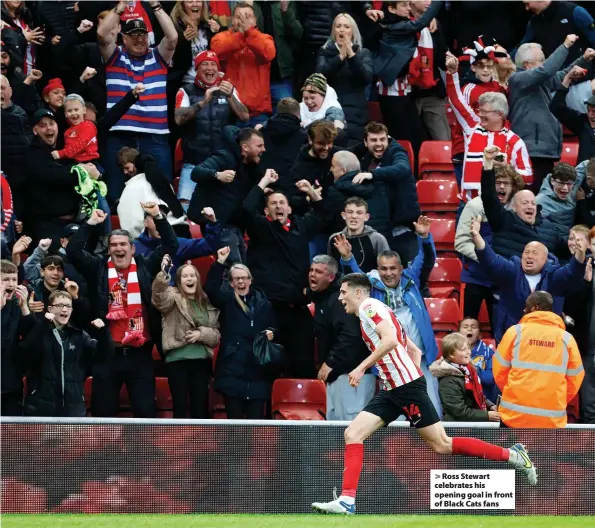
349	78
338	334
510	234
13	36
57	17
224	198
203	135
317	21
16	137
237	374
283	139
56	373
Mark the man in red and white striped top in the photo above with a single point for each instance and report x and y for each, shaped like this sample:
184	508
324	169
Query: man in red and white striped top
405	392
484	129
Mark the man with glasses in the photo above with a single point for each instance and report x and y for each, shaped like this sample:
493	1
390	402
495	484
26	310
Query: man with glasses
144	126
56	356
557	197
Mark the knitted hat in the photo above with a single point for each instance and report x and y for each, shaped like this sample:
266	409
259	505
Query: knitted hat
206	55
316	83
52	84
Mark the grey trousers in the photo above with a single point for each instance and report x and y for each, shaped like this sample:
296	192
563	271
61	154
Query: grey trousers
432	111
344	402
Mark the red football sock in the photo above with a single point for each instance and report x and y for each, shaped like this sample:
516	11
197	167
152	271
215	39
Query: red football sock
354	460
478	448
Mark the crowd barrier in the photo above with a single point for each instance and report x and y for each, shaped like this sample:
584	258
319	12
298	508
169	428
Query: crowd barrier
224	466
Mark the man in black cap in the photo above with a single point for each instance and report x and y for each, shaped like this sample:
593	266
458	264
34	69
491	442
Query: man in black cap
581	125
51	199
145	126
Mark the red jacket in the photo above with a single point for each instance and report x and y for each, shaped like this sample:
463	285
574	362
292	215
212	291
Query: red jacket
248	57
80	143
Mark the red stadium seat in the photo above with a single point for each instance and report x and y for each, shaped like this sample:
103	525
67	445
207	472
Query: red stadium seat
439	339
444	314
443	232
298	399
490	341
203	265
195	230
445	279
215	354
178	158
374	112
438	195
570	152
115	222
216	405
163	401
484	320
435	158
409	149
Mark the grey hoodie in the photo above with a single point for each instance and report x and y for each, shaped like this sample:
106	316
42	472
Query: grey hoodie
364	251
529	96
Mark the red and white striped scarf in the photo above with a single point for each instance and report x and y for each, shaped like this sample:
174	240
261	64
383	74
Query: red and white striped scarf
132	309
421	67
6	203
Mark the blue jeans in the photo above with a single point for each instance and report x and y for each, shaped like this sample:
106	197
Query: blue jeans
233	237
104	206
259	119
186	186
156	145
279	90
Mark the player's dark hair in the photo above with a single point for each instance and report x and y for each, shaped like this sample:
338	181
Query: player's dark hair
541	301
357	280
357	201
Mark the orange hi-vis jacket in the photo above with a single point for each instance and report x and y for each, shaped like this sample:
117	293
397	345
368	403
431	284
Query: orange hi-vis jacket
539	370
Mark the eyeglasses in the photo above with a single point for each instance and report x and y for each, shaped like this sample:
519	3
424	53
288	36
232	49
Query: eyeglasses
563	183
503	183
62	306
244	279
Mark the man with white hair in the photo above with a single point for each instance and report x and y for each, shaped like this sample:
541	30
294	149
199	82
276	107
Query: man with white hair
482	129
530	92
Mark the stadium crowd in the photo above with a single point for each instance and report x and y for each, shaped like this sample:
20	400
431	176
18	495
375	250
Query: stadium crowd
184	184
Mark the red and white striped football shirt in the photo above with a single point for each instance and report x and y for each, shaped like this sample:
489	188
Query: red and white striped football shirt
396	368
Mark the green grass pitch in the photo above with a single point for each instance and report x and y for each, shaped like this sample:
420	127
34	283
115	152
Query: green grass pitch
290	521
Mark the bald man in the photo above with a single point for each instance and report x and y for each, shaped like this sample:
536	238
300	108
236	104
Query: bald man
518	277
538	367
513	229
350	181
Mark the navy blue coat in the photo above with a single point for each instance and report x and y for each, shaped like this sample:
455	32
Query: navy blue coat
237	374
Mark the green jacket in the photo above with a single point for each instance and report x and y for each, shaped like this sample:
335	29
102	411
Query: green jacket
457	402
287	31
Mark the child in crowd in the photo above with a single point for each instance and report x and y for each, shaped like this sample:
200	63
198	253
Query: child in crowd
460	390
481	356
80	140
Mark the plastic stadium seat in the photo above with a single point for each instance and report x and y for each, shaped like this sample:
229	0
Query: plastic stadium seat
298	399
216	405
484	319
444	314
436	157
569	152
374	112
443	232
164	403
195	231
409	149
445	279
115	222
203	265
490	341
439	345
438	195
178	158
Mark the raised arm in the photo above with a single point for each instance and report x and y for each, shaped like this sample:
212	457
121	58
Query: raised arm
494	210
167	46
169	241
528	79
162	297
84	262
107	43
414	26
464	114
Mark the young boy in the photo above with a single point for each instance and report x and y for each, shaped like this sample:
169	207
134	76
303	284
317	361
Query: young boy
481	356
57	356
366	243
80	140
461	394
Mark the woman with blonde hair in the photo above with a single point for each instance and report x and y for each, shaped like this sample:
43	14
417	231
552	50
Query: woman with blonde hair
195	29
190	334
349	68
245	312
